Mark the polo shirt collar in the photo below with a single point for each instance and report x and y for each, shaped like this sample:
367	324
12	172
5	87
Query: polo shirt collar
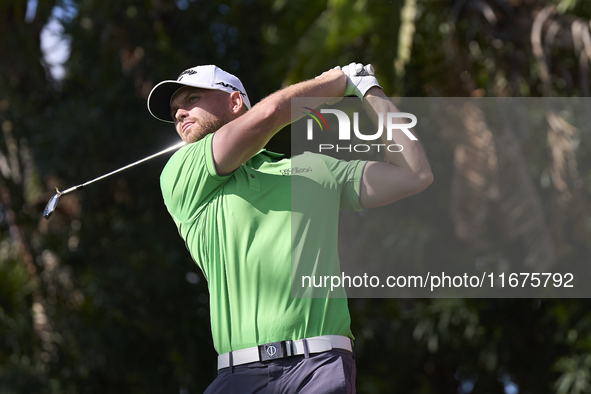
272	155
263	156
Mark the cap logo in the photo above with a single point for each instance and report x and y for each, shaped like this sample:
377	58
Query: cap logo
190	72
234	88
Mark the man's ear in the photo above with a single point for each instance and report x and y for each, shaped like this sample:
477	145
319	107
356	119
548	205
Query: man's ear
236	103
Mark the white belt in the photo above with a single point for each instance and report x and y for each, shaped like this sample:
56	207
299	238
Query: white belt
281	349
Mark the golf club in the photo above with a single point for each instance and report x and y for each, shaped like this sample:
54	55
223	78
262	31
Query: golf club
50	207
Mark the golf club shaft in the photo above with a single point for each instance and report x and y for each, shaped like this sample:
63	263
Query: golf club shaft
74	188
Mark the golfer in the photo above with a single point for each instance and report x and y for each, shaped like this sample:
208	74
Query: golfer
231	201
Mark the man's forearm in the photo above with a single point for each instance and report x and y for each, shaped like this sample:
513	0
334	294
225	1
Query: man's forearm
405	173
412	155
239	140
330	84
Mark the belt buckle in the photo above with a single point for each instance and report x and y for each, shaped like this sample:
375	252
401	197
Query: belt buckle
275	350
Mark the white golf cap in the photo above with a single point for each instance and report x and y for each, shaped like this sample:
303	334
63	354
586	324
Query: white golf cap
206	77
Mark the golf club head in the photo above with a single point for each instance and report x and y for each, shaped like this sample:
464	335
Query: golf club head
50	207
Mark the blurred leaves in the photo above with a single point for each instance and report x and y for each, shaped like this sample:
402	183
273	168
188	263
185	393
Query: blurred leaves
575	376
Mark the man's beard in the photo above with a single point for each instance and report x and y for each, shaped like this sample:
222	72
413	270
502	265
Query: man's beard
203	127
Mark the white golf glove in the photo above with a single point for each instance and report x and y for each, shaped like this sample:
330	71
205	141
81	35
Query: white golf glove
359	79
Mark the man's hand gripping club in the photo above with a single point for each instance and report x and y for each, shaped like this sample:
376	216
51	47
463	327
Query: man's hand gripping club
359	79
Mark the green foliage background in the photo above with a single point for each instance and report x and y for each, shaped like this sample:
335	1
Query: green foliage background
105	298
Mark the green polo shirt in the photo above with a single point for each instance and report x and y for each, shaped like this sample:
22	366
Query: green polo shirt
251	231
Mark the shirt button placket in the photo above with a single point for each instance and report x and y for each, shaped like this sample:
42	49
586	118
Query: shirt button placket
253	181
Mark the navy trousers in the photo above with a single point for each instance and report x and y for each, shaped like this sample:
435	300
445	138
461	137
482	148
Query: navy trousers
331	372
